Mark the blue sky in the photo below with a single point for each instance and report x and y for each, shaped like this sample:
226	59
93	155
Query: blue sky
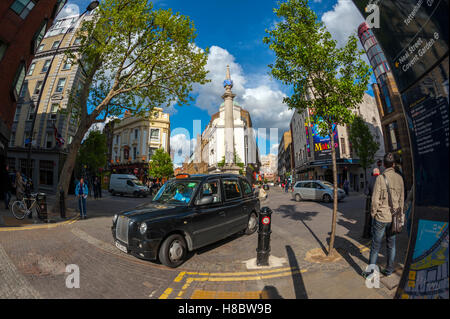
233	30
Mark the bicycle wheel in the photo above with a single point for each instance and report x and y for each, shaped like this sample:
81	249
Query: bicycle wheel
19	210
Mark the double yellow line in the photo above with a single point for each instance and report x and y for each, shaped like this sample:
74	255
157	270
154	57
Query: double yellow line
228	277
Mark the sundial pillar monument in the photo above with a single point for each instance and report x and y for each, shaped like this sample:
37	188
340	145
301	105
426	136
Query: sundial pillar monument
228	98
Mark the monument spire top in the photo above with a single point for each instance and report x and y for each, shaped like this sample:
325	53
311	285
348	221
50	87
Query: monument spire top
228	82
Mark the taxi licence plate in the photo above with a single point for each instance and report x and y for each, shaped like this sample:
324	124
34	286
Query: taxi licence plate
121	247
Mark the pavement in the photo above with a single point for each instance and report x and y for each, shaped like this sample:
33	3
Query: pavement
38	260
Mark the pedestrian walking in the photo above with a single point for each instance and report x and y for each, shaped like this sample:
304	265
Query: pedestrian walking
388	185
81	191
346	186
99	190
6	186
95	186
369	192
20	186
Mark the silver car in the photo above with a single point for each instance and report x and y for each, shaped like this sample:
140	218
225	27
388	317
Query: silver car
315	190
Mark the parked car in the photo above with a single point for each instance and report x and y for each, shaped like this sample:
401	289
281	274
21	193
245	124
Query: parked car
315	190
187	213
124	184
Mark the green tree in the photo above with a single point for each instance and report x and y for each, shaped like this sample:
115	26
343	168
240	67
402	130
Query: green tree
132	58
363	143
326	79
160	166
93	151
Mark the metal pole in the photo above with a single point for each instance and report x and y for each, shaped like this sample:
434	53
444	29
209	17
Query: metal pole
263	250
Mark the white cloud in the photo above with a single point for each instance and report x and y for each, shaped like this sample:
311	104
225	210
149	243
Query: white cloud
68	10
342	21
274	149
181	146
256	93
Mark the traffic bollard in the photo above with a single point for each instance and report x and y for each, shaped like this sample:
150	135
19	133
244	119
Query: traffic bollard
62	206
263	250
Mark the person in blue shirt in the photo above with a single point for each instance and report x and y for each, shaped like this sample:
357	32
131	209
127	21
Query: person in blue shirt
184	195
81	191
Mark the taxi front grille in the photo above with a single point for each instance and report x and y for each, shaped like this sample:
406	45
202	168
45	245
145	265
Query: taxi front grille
122	229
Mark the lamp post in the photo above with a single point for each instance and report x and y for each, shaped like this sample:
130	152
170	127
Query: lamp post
90	7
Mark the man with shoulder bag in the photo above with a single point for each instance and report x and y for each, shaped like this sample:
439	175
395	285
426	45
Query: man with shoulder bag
387	214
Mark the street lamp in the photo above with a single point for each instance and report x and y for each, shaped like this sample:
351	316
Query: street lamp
90	7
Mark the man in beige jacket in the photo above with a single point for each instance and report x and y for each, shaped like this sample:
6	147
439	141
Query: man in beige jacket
381	213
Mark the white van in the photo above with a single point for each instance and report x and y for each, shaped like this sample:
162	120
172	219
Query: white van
127	184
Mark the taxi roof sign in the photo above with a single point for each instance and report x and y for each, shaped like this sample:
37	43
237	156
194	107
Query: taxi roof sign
179	176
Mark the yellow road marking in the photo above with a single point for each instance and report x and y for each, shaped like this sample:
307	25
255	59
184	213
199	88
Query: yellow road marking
190	280
68	222
166	293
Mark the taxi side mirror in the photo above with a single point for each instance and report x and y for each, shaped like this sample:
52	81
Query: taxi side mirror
205	200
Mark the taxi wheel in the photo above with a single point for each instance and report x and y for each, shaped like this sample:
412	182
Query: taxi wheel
173	251
298	198
252	224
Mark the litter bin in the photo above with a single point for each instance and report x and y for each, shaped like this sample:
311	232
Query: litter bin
42	202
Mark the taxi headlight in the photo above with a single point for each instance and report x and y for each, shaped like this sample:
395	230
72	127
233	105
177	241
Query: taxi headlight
115	218
143	228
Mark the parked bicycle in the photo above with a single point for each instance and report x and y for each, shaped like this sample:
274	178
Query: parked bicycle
21	209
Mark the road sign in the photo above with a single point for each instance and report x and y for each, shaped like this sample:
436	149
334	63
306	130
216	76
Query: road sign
266	220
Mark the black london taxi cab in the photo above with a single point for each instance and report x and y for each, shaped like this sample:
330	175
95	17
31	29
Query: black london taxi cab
187	213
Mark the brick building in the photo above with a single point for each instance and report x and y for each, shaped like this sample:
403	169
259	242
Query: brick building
23	24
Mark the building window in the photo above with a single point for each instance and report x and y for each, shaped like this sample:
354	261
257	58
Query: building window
30	113
46	172
126	153
22	7
49	140
32	66
387	101
344	151
55	44
151	152
24	90
38	87
41	47
24	166
154	134
17	114
392	130
117	139
19	79
60	85
67	64
11	164
46	66
12	139
54	111
134	152
38	36
77	41
3	47
136	132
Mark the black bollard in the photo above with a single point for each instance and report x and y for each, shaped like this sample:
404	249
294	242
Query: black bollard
263	250
62	206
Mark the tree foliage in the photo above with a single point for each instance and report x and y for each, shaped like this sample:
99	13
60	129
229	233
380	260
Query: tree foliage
328	80
160	166
131	57
93	151
362	142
